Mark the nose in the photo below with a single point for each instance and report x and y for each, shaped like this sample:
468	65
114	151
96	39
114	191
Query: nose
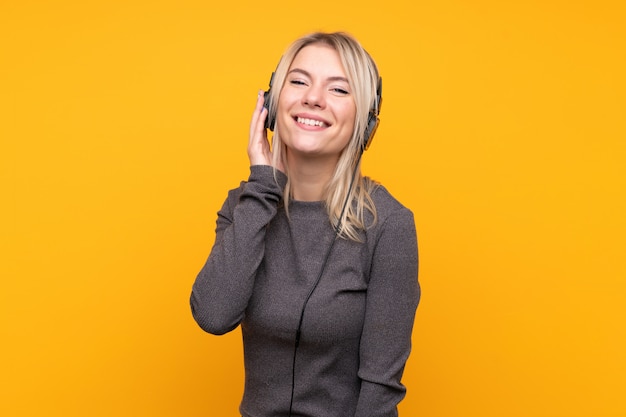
314	97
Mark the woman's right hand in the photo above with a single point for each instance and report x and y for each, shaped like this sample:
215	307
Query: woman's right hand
259	150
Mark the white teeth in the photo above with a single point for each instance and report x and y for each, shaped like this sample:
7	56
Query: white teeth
310	122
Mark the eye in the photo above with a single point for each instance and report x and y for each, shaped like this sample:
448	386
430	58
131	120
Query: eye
340	91
297	82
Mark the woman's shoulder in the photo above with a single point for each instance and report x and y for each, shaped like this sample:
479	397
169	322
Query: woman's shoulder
392	218
386	204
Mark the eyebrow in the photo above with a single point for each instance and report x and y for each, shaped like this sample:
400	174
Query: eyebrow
305	72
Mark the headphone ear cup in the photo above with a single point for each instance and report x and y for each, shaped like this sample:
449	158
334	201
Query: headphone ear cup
270	121
370	130
267	103
372	119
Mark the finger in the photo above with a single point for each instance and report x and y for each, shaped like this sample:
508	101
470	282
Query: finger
258	145
259	115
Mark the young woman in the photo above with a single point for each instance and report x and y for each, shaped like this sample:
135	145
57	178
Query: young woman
317	263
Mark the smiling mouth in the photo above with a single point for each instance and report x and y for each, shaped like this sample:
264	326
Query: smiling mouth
310	122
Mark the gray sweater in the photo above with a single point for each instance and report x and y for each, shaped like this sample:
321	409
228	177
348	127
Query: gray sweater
356	330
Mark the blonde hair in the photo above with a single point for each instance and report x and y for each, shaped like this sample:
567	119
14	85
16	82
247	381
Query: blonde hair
363	78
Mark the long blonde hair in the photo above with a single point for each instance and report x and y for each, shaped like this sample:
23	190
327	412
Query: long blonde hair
363	78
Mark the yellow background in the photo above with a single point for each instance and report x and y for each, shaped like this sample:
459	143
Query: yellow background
124	123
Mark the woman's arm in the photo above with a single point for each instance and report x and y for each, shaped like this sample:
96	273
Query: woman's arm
392	297
223	287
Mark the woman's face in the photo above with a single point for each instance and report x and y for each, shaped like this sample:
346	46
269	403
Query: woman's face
316	108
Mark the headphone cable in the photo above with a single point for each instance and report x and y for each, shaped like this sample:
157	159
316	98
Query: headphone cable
337	228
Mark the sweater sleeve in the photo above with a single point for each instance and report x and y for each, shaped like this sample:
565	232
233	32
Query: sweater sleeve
224	285
392	298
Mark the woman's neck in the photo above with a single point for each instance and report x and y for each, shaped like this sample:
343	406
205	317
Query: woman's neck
309	178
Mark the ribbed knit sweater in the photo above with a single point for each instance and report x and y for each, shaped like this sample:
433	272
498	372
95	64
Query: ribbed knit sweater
356	329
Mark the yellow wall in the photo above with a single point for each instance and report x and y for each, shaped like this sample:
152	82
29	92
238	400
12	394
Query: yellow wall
123	123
